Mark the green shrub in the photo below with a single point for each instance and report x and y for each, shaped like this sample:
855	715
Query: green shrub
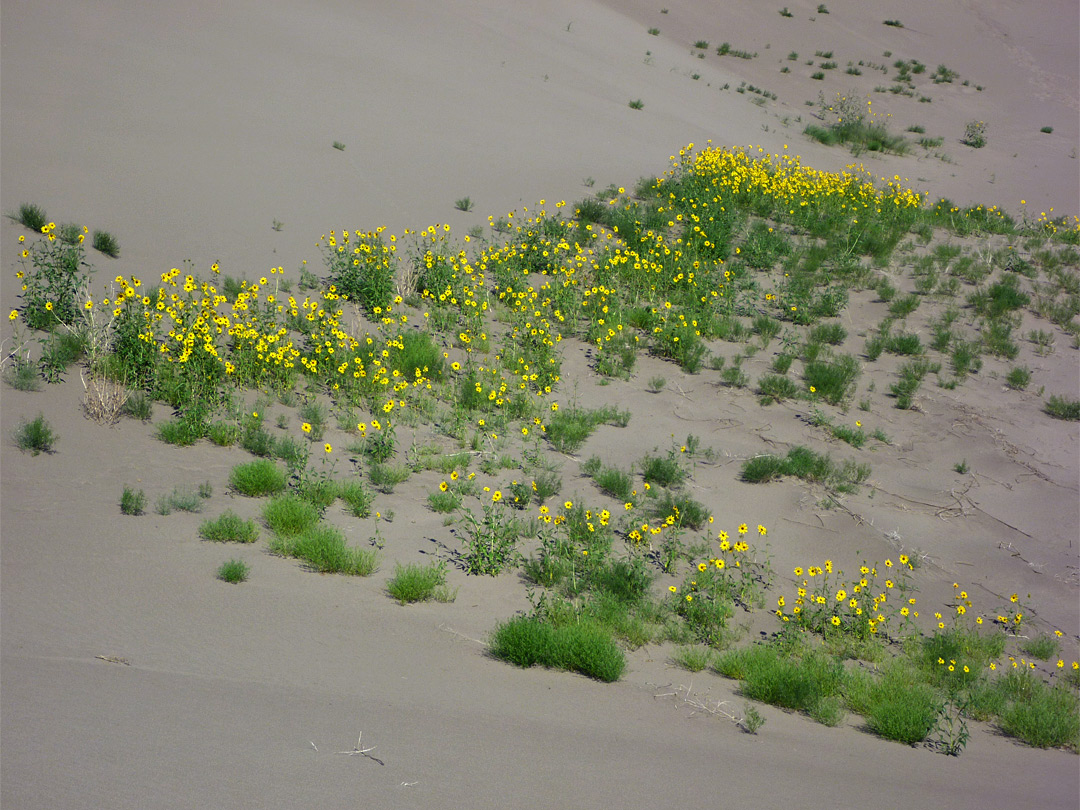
289	515
693	659
1063	408
416	582
614	482
1048	717
229	528
324	550
662	470
901	707
133	501
1018	377
832	379
775	388
257	478
32	216
182	431
444	502
570	427
106	243
233	571
35	436
1043	646
581	646
791	683
22	375
357	498
223	434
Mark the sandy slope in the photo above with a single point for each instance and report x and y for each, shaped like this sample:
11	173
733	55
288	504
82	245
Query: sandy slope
187	129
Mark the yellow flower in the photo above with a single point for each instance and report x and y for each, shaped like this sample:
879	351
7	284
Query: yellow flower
443	486
1014	598
496	496
701	566
48	305
328	448
306	427
812	389
14	315
836	621
743	529
798	572
762	530
1061	663
689	598
673	589
568	505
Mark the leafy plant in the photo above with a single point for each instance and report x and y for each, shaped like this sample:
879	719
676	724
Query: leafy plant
637	104
288	515
324	550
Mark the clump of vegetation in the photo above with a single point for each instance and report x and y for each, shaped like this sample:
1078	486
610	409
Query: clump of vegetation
35	436
1063	408
323	548
106	243
229	528
974	134
415	582
257	478
233	571
133	501
801	462
583	647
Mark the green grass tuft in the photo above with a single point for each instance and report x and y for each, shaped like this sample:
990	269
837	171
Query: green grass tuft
257	478
229	528
581	646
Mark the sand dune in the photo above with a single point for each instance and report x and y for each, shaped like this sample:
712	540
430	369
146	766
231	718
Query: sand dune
188	130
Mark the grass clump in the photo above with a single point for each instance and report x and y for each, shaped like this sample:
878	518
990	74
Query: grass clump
692	659
1063	408
32	216
322	547
233	571
133	501
35	436
580	646
1044	716
22	375
569	428
832	379
901	707
357	498
663	470
801	462
257	478
415	582
808	683
229	528
106	243
181	500
289	515
776	388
